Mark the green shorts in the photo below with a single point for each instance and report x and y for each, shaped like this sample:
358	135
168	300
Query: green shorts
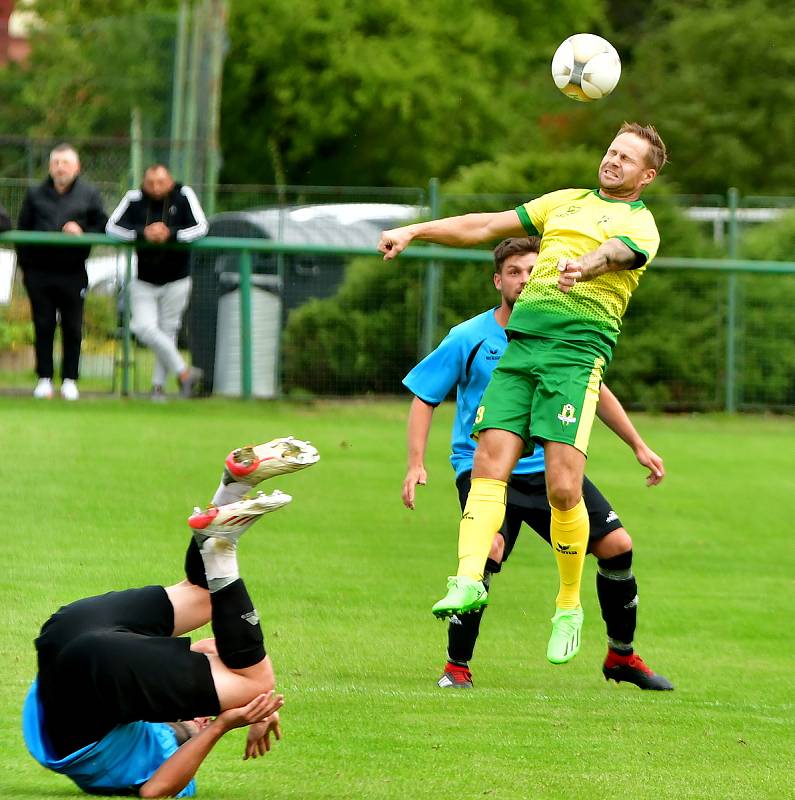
543	389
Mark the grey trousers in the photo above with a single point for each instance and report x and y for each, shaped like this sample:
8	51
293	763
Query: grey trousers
156	316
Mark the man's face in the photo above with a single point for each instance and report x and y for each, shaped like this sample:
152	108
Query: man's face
513	276
187	729
158	183
64	167
624	172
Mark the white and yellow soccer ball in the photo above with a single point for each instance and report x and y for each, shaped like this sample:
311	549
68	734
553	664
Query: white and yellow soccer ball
586	67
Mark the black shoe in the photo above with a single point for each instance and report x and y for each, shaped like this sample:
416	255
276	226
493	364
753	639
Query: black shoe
633	669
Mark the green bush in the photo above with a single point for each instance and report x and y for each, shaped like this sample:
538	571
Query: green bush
15	334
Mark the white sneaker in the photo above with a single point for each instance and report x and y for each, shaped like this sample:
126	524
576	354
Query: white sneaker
231	521
253	464
69	390
43	390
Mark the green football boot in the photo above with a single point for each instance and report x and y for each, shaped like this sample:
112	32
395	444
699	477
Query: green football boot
463	594
564	643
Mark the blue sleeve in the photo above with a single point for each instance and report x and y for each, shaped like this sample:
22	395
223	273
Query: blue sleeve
189	790
438	373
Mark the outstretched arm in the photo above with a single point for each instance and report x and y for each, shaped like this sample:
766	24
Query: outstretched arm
420	418
173	775
464	231
611	256
612	413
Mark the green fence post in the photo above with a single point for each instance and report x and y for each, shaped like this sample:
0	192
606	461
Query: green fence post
245	324
432	281
125	322
731	309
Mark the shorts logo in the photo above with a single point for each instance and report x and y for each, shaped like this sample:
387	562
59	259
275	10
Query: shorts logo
251	617
468	516
612	516
568	414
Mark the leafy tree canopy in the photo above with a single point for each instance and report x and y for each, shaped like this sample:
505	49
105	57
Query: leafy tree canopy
385	92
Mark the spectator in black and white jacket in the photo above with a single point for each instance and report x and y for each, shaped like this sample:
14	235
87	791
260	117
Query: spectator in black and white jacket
161	211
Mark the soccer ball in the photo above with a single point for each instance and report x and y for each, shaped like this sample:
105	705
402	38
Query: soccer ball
586	67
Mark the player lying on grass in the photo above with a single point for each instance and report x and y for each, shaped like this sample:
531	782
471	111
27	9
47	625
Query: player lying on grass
595	244
122	703
465	360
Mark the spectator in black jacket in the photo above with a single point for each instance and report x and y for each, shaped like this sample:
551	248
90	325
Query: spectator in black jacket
161	211
55	277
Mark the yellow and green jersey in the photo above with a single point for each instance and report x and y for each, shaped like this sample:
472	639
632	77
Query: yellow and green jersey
572	222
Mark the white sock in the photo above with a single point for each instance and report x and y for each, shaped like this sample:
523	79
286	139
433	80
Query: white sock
220	562
229	493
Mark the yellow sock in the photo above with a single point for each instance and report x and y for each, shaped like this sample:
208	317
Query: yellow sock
482	518
569	532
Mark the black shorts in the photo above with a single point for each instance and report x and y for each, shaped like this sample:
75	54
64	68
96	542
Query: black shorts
111	659
527	502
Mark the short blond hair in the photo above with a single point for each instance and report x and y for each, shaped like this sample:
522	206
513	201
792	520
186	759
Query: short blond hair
656	155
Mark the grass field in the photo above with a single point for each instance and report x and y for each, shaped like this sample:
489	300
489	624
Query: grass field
95	496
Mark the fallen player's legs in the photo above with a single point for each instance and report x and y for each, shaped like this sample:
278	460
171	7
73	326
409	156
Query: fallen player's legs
241	670
240	667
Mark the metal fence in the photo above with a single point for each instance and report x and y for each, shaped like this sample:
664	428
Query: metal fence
290	300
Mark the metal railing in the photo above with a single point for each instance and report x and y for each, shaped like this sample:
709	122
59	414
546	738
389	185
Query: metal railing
432	254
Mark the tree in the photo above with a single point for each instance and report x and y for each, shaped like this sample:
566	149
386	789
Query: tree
385	92
88	68
712	76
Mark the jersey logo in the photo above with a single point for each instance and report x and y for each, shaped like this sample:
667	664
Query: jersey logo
568	211
568	414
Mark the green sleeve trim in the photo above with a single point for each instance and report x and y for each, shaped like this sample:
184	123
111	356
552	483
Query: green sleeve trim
642	255
527	223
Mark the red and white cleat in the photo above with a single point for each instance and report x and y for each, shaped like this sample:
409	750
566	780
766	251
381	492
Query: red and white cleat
233	520
455	677
253	464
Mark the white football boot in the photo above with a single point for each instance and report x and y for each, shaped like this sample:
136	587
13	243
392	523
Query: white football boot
230	522
253	464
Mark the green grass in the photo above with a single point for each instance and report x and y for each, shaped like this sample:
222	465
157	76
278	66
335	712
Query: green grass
95	496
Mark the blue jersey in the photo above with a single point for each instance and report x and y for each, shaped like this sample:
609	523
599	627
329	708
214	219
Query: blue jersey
119	763
465	359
